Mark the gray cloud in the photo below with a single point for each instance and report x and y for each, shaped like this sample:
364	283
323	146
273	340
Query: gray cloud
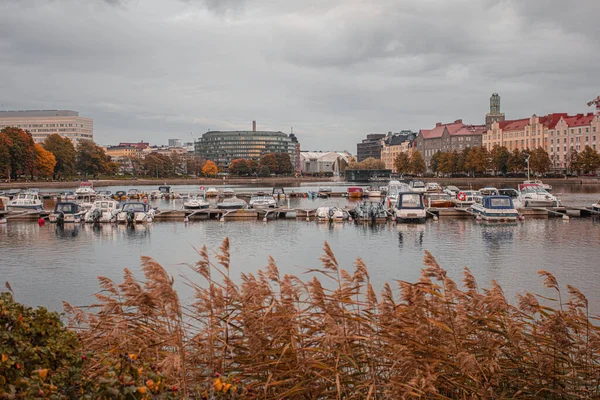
333	70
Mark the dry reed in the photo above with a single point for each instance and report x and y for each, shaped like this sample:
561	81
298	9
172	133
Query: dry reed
333	337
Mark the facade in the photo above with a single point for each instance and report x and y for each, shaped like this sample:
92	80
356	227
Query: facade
223	147
448	137
44	123
175	143
118	152
573	133
315	162
494	114
140	145
369	147
395	144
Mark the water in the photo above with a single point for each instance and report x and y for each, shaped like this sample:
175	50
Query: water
46	265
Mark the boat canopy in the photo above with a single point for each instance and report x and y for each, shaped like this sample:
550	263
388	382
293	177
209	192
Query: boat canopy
164	189
498	202
136	207
67	208
417	184
278	190
410	200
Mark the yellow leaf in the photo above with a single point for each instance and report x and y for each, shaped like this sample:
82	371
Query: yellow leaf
4	357
43	373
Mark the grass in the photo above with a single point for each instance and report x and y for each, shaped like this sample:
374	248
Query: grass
332	336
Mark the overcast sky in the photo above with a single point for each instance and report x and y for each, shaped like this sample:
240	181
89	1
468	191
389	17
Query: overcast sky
333	70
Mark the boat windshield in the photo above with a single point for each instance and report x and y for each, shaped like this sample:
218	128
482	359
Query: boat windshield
409	200
67	208
135	207
417	184
500	202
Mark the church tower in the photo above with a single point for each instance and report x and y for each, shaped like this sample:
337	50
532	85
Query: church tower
494	114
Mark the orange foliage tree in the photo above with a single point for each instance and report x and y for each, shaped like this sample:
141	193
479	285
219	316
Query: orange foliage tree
44	161
210	168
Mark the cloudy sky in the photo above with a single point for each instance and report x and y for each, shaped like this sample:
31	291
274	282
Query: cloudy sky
333	70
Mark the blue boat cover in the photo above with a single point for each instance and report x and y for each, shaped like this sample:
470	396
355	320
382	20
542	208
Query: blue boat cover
498	202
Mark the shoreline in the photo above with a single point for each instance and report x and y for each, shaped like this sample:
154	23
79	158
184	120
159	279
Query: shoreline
283	181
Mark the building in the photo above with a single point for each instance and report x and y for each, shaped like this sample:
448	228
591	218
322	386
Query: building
140	145
573	133
222	147
317	162
175	143
448	137
369	147
43	123
394	144
494	114
119	152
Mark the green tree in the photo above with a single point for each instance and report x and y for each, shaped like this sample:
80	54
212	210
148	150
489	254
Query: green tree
210	169
91	159
269	161
284	163
539	161
64	153
434	162
478	160
44	161
516	161
417	164
239	167
5	162
22	152
263	171
194	165
252	166
402	163
589	160
499	159
575	162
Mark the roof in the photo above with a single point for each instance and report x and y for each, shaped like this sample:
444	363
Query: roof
397	139
579	120
514	125
454	128
551	120
329	156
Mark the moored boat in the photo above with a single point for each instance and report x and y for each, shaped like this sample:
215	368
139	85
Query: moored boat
279	193
105	210
232	203
26	200
331	214
433	187
451	190
534	195
196	202
66	212
369	211
544	186
355	192
438	200
263	202
212	192
495	208
596	207
465	198
417	186
410	207
135	212
85	187
489	191
373	191
228	192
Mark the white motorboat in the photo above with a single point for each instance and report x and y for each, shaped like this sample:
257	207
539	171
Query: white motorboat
596	207
489	191
212	192
495	208
393	188
104	211
331	214
544	186
85	188
66	212
433	187
465	198
279	193
373	191
86	201
27	200
451	190
68	196
135	212
196	202
232	203
263	202
410	207
417	186
228	192
534	195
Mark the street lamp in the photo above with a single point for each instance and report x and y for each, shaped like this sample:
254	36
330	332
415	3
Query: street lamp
527	161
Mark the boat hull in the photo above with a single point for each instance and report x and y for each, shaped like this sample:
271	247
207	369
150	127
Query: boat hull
411	215
196	207
488	214
28	207
230	207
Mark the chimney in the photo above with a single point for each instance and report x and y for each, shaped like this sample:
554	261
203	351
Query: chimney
438	124
253	126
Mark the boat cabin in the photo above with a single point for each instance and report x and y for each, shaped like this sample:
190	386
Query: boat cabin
410	200
512	193
497	203
278	191
135	207
67	208
164	189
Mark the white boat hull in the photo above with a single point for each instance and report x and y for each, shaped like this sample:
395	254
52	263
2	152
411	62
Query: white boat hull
410	215
488	214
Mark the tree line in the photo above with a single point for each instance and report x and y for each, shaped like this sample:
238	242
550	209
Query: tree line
500	160
271	163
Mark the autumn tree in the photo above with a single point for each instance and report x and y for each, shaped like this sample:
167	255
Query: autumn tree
417	164
176	163
402	163
499	159
21	150
158	165
239	167
5	162
269	161
446	162
284	163
252	166
575	161
435	160
210	169
516	161
92	160
44	161
64	153
478	160
264	171
539	161
589	160
194	165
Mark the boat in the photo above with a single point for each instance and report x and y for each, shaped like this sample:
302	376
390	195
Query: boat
134	194
544	186
263	202
510	192
369	211
196	202
495	208
26	200
489	191
325	190
85	187
279	193
135	212
103	193
228	192
4	204
373	191
66	212
417	186
596	207
465	198
410	207
433	187
331	214
534	195
212	192
355	192
438	200
451	190
393	188
68	196
120	195
104	210
165	192
232	203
